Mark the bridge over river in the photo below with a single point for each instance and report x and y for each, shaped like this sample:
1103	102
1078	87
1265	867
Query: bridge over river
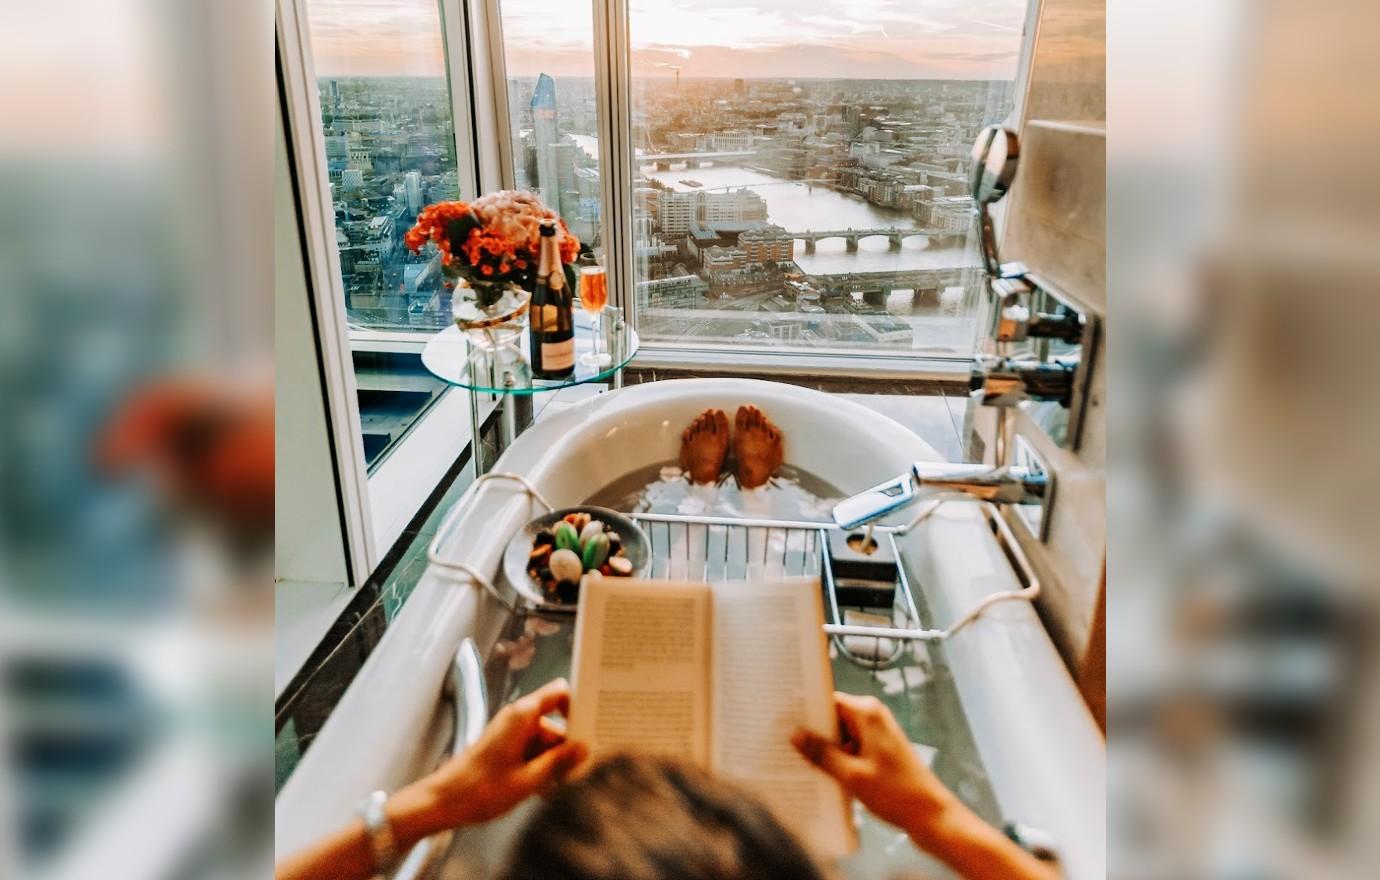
663	161
894	236
877	286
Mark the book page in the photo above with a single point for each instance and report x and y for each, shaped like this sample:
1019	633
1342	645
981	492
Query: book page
640	674
771	674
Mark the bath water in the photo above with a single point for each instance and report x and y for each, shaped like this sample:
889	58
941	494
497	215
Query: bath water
791	494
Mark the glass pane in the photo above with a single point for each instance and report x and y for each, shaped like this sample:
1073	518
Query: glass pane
390	150
801	170
549	56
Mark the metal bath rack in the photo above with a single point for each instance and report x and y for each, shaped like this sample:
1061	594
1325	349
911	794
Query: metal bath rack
710	548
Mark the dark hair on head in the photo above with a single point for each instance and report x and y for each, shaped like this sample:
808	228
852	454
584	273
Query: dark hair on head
648	818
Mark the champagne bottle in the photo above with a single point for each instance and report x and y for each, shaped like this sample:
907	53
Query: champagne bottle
552	313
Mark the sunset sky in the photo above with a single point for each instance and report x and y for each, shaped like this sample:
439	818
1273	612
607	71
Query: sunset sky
882	39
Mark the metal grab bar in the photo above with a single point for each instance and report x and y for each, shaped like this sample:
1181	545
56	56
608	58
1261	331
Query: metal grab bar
464	687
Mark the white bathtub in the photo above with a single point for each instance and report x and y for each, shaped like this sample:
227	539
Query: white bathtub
1043	753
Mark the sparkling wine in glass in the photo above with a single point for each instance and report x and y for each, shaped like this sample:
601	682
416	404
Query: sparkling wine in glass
594	295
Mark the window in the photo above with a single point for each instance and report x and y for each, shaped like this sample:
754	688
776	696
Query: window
388	133
390	149
800	170
552	110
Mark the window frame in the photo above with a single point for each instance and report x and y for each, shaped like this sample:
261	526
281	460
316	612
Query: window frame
377	506
613	100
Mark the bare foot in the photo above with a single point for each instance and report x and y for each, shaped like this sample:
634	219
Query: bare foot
703	446
757	446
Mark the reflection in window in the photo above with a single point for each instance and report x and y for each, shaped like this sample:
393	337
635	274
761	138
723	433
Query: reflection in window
549	58
800	177
390	150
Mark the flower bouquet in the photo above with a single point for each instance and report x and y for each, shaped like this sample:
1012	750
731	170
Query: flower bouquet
489	249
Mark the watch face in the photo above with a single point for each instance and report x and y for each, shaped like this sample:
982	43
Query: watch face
379	831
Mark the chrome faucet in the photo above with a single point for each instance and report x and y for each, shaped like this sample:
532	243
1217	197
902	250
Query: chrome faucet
1015	318
1020	484
1000	381
1009	484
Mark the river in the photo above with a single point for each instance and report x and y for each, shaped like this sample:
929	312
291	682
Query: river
797	206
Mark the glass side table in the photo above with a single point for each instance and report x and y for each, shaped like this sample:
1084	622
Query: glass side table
506	374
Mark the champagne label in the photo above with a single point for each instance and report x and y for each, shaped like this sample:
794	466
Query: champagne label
558	355
544	318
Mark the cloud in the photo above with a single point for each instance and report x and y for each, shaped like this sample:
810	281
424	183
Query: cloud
776	38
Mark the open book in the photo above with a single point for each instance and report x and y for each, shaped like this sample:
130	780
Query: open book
721	673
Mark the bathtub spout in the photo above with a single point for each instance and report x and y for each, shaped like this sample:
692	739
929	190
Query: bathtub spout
1013	484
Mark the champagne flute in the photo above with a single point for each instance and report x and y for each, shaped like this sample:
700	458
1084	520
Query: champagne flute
594	295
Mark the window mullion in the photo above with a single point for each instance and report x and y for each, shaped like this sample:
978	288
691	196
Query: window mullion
474	45
613	100
460	78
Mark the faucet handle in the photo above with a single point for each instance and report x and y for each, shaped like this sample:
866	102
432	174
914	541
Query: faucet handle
1012	484
1004	382
1012	307
1016	318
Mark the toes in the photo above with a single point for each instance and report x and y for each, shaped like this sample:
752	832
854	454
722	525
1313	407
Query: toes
721	421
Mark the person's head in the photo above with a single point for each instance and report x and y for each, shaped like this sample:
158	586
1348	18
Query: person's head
644	818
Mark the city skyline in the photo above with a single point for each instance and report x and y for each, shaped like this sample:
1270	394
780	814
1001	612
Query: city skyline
865	39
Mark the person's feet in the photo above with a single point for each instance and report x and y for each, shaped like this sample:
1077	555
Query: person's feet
756	446
703	446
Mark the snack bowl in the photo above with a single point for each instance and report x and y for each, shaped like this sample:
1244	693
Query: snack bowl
516	558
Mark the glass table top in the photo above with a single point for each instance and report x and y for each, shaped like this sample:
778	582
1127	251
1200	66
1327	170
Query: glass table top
447	356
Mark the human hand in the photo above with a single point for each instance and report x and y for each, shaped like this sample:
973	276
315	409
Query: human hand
877	765
520	753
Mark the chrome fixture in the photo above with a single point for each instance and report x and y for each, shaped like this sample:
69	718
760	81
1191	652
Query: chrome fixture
1041	340
994	168
1017	318
998	381
1027	486
1009	484
875	503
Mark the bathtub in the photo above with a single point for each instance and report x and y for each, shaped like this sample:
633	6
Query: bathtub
1043	753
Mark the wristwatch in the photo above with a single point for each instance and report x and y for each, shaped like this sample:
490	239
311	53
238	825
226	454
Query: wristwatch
1034	841
382	843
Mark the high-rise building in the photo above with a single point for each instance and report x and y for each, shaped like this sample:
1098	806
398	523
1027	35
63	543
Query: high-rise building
677	211
739	87
951	214
739	206
770	244
679	292
337	146
351	178
412	189
681	210
544	131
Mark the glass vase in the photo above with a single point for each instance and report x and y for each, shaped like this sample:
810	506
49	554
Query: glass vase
493	316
